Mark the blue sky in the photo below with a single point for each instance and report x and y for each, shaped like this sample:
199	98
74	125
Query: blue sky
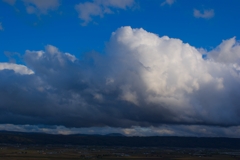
62	27
67	66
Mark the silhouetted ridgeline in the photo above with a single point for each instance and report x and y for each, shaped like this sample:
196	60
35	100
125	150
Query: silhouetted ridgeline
108	140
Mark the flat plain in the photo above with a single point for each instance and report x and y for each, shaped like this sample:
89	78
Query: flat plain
73	152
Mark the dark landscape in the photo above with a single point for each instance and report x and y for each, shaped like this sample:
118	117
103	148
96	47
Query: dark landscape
117	140
20	145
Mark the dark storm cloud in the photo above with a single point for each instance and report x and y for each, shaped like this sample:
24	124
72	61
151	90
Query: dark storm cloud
141	80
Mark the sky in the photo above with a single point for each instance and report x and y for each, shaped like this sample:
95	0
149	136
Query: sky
136	67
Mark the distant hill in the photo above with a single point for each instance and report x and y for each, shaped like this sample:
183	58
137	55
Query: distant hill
97	135
115	135
116	139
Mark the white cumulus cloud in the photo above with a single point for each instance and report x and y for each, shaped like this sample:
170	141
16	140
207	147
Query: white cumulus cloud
17	68
228	52
141	80
166	72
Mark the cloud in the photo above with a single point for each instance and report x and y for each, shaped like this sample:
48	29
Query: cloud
87	10
1	27
12	56
169	2
40	7
207	14
183	130
21	69
142	80
163	130
228	52
37	6
11	2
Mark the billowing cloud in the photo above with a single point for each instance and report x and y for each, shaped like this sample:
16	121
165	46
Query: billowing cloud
228	52
207	14
169	2
142	80
87	10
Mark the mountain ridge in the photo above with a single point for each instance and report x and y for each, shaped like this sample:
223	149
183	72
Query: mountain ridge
11	137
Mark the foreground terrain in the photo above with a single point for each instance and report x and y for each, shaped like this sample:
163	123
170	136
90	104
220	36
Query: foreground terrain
69	152
40	146
118	140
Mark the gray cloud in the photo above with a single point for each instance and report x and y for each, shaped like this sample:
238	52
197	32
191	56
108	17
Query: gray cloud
37	6
207	14
169	2
40	7
1	27
87	10
142	80
11	2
